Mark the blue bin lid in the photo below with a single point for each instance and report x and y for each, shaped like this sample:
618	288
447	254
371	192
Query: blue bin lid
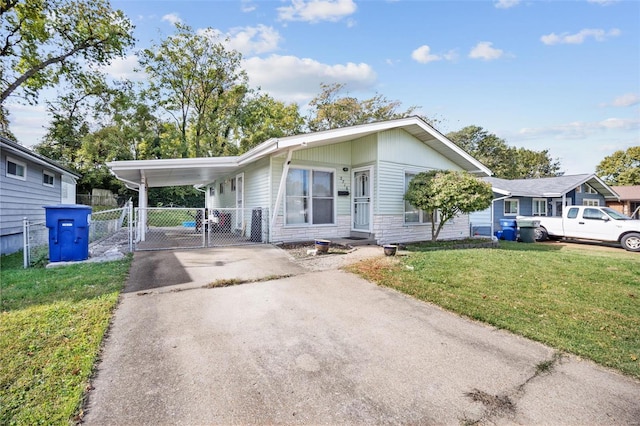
508	222
68	206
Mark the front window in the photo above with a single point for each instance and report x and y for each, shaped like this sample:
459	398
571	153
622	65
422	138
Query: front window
511	207
413	214
590	202
309	197
539	207
16	169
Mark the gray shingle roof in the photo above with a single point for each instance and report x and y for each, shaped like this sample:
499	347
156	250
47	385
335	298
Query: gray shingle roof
548	187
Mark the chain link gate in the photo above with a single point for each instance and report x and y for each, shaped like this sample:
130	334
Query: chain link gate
180	228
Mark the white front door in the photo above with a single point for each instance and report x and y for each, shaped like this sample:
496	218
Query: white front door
239	201
362	198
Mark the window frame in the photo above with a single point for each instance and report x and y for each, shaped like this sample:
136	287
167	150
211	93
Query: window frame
511	200
309	219
45	174
221	188
537	202
590	202
590	190
19	163
423	218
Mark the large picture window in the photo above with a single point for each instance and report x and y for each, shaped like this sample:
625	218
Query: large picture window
309	197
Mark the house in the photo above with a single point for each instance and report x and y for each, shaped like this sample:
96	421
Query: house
28	181
629	202
346	182
539	197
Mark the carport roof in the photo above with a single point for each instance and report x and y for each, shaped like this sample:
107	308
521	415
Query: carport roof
201	171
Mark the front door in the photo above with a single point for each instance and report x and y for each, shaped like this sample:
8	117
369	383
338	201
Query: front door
362	190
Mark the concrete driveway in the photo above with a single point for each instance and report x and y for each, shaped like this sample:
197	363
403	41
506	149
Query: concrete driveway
324	348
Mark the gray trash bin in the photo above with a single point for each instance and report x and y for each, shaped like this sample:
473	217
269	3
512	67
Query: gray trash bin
528	230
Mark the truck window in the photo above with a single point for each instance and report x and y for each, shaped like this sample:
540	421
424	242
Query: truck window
593	214
572	214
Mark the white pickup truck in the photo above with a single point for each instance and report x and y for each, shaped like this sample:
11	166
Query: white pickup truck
591	223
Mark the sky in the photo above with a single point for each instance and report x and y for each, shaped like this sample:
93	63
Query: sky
557	75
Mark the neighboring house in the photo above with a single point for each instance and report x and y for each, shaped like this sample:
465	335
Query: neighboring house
629	202
539	197
347	182
28	181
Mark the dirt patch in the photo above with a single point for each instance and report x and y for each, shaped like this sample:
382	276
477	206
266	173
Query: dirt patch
337	257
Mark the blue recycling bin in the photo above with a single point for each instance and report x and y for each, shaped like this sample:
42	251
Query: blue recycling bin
509	229
68	226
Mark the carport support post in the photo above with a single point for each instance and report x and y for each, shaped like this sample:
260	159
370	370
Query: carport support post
142	208
283	183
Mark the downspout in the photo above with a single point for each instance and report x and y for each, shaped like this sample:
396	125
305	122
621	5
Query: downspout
492	210
283	183
142	207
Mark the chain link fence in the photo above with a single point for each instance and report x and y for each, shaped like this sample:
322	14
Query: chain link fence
173	228
108	229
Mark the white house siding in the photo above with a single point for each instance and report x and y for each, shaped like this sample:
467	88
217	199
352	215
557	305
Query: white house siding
414	157
336	157
392	229
23	198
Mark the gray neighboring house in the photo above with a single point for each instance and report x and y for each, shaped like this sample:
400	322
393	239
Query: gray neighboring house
539	197
28	181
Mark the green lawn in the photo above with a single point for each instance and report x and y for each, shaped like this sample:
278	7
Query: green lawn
52	322
585	301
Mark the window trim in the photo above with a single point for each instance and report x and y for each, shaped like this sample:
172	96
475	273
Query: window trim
589	202
334	197
51	175
17	163
538	201
590	189
511	200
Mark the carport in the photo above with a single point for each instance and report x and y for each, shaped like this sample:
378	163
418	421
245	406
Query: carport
182	228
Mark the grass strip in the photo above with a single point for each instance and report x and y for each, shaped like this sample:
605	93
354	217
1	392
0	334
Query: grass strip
51	328
582	301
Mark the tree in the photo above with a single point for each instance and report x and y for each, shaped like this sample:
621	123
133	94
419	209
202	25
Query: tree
331	111
45	41
504	161
200	84
263	117
447	193
621	167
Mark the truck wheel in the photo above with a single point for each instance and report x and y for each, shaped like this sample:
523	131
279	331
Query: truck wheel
540	234
631	242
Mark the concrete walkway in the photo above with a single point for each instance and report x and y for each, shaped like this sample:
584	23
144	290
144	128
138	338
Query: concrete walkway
324	348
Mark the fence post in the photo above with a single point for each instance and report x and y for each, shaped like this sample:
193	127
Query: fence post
25	243
130	224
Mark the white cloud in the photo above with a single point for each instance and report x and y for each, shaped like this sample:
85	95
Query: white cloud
260	39
27	122
317	10
124	68
506	4
294	79
626	100
247	6
579	37
484	50
172	18
579	129
423	55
